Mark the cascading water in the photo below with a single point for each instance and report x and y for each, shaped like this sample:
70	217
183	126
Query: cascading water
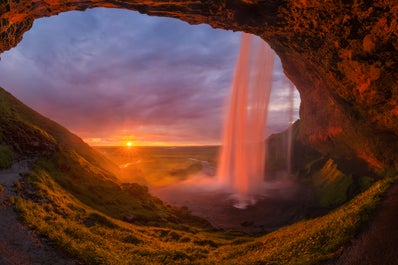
242	160
290	130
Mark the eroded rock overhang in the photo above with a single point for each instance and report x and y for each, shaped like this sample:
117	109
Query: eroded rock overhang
341	55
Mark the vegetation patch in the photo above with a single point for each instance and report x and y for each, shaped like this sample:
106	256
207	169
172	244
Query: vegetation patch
62	218
332	185
5	156
96	188
131	240
98	219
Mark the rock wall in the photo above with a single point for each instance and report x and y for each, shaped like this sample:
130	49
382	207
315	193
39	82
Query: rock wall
342	56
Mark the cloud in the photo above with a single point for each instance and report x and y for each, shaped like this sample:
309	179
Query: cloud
105	72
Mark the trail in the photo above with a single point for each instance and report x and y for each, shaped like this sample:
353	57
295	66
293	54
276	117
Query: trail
19	245
378	243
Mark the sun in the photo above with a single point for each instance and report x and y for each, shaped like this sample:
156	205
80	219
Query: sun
129	144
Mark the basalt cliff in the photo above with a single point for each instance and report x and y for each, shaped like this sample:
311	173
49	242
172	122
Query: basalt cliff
342	56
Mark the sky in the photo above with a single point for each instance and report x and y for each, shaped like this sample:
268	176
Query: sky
113	76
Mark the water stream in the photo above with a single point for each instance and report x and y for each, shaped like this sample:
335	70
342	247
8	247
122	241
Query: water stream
242	160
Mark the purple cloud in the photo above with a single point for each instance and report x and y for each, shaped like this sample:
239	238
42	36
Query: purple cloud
105	72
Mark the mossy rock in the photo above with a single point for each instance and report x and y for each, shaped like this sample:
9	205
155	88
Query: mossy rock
331	184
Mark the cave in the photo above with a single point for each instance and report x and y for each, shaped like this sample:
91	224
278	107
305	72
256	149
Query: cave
342	57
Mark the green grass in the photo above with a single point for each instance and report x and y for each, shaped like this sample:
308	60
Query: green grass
332	185
5	157
99	239
97	189
30	134
79	169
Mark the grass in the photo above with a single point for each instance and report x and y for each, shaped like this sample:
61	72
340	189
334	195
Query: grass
29	134
99	239
5	157
97	189
332	185
79	169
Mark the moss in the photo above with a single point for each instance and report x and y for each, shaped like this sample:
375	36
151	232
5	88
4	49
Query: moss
5	157
331	184
365	182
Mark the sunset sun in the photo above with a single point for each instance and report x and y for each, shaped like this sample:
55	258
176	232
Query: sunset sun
129	144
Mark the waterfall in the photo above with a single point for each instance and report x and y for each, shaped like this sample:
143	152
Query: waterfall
242	159
290	130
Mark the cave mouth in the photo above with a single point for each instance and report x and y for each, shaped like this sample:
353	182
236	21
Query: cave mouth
341	66
155	81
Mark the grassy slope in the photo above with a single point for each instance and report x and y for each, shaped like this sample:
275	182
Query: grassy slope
29	133
78	168
311	241
98	239
5	157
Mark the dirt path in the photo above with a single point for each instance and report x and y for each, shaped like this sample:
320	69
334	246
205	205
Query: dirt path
19	245
378	244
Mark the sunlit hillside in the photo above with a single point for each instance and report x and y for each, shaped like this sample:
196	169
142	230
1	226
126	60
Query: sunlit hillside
83	172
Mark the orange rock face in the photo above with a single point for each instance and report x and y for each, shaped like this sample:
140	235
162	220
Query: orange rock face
342	56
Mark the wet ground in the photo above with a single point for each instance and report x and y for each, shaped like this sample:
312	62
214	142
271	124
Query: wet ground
280	204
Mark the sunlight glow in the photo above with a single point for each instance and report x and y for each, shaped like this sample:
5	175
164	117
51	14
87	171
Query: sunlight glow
129	144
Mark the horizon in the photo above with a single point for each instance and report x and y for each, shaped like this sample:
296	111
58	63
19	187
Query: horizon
134	146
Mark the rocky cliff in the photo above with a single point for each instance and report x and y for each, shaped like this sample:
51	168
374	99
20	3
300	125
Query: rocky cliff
342	55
